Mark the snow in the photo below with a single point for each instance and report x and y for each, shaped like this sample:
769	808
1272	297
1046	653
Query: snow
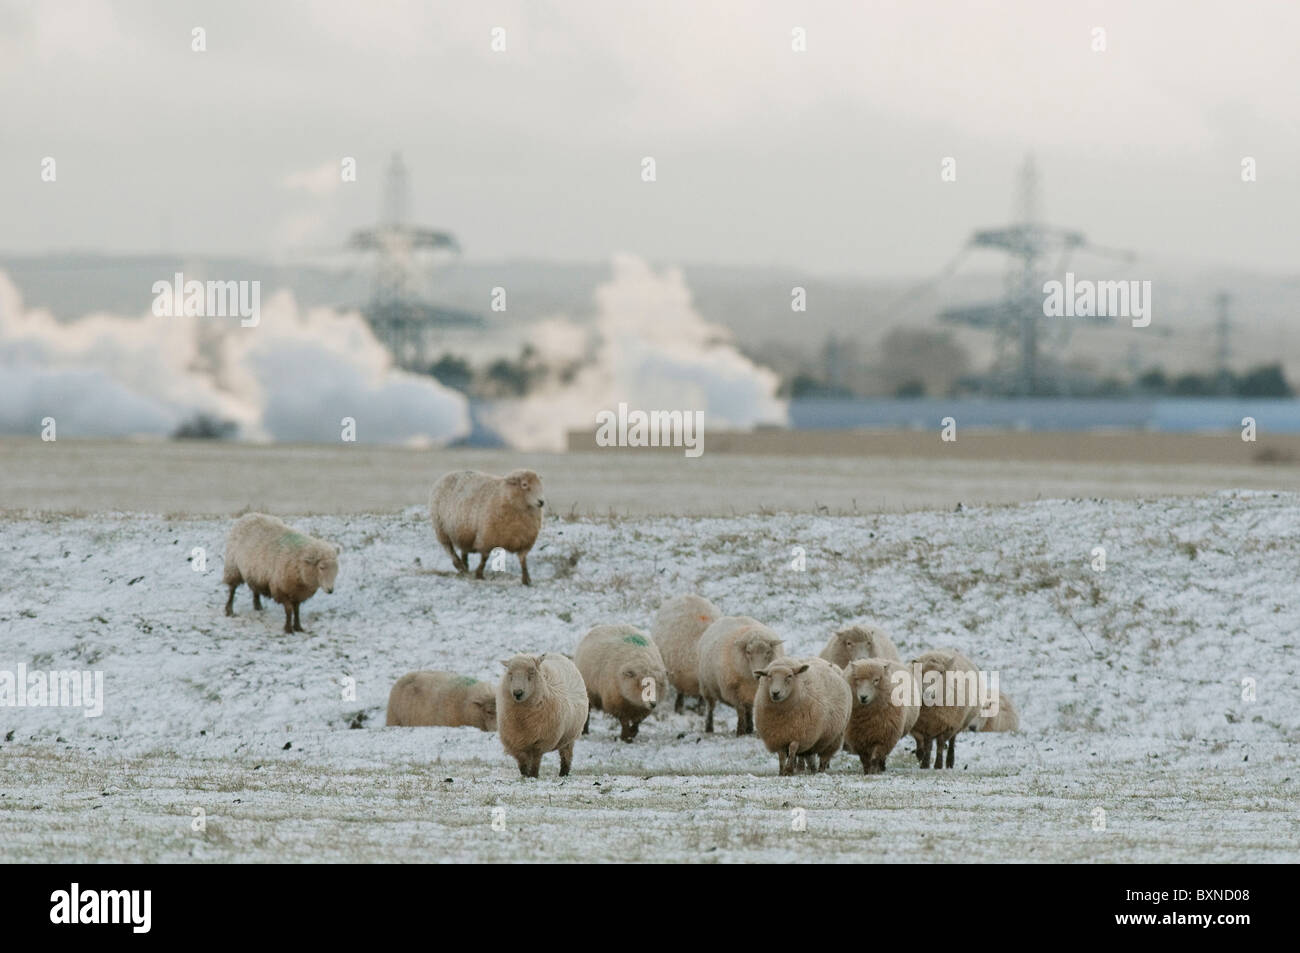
1129	683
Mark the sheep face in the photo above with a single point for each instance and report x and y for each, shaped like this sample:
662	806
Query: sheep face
324	567
781	680
759	653
858	641
868	680
522	675
485	708
527	486
640	686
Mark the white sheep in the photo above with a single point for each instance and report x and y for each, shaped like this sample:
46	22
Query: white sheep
1007	718
478	512
425	698
885	709
541	707
731	650
801	710
949	703
859	641
624	674
278	562
677	628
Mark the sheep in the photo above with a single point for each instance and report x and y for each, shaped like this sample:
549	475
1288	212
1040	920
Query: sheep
801	710
731	650
278	562
885	708
541	707
1007	718
624	673
442	698
677	629
478	512
945	676
859	641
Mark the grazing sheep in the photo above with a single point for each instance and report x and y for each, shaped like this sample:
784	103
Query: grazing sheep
801	710
859	641
541	707
677	629
624	673
731	650
478	512
1007	718
946	676
442	698
277	562
884	709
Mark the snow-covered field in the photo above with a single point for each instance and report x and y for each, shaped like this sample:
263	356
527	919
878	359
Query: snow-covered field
1129	683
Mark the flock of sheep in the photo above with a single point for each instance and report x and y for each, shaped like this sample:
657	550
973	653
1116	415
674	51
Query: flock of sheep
857	695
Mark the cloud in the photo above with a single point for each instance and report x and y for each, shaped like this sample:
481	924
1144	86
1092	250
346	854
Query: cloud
293	377
648	348
323	179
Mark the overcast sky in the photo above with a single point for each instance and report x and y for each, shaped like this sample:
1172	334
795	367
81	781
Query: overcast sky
826	160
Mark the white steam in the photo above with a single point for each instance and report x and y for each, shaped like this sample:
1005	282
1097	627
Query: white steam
293	377
648	348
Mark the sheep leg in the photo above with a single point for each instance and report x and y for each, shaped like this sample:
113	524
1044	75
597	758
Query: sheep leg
482	561
297	622
744	720
523	564
823	762
230	601
952	751
456	559
586	725
708	718
866	763
628	732
677	705
288	619
939	744
566	759
791	759
257	600
524	766
923	751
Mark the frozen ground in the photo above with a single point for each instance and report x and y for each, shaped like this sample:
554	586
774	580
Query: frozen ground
1129	684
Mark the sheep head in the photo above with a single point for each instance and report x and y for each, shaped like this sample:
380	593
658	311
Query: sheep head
781	679
527	488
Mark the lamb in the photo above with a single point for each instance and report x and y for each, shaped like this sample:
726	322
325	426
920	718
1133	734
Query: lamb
885	708
731	650
1007	718
541	707
947	676
442	698
676	631
801	710
278	562
859	641
624	673
478	512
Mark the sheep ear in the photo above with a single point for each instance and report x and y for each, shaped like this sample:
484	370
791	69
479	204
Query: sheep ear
758	675
337	549
801	669
505	663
